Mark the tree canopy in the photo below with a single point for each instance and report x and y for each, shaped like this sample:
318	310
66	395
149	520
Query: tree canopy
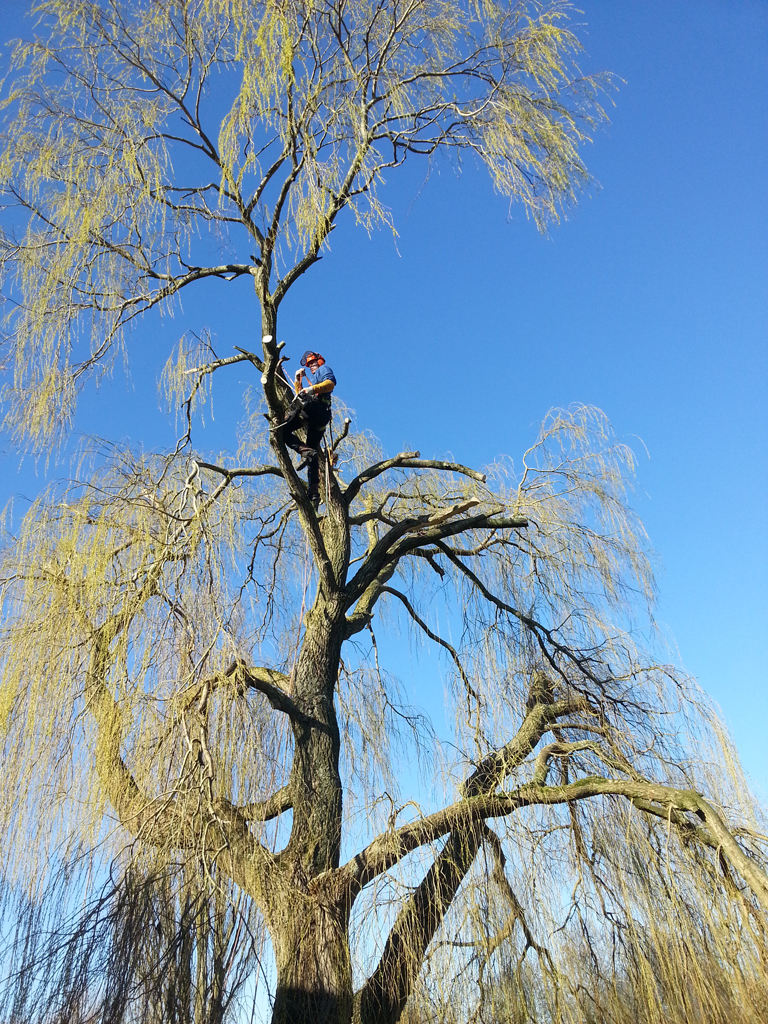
141	140
209	778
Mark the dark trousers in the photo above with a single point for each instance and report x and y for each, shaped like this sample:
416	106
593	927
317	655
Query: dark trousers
315	417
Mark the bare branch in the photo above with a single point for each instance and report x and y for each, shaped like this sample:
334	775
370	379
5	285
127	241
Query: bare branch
270	683
406	460
230	474
433	636
427	530
389	848
265	810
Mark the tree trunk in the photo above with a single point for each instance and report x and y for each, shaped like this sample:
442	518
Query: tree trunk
314	976
315	780
308	915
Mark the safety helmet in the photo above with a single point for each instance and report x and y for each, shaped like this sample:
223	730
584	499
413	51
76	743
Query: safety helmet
310	356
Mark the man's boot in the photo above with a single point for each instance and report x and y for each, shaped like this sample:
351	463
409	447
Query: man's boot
307	455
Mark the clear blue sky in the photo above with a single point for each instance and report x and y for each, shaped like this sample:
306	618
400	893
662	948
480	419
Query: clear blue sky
650	301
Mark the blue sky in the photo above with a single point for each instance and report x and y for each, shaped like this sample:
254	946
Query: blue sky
649	302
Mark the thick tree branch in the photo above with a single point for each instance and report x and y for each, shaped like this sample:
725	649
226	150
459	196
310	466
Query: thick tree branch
382	998
426	530
493	769
230	474
390	847
406	460
363	612
352	489
270	683
384	995
265	810
164	822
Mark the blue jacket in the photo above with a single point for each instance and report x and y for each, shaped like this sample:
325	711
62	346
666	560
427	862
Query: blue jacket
324	373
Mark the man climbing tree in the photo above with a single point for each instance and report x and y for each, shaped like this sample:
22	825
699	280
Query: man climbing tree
192	697
311	409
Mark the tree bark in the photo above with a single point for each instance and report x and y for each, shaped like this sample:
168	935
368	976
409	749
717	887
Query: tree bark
311	942
315	780
308	907
386	992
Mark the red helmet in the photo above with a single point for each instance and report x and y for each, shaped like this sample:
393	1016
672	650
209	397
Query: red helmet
311	357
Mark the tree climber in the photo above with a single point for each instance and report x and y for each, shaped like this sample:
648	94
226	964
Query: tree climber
311	409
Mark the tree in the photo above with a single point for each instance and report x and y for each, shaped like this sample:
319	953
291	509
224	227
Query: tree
191	689
128	174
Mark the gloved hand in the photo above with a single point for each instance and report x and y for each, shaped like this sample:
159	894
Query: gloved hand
307	393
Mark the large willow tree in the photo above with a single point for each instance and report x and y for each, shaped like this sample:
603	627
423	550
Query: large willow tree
209	779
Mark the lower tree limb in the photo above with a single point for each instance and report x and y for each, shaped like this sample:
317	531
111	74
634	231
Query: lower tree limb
384	995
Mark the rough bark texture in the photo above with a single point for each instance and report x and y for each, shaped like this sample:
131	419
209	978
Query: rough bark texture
304	892
311	942
309	902
315	781
383	997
